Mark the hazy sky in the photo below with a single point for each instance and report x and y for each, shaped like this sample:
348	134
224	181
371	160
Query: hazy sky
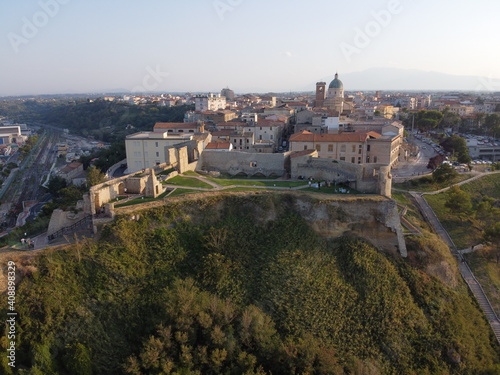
73	46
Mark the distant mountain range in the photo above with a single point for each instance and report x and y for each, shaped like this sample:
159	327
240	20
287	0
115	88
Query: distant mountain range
413	80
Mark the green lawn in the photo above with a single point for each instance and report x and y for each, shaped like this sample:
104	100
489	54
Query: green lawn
187	181
230	182
164	173
141	200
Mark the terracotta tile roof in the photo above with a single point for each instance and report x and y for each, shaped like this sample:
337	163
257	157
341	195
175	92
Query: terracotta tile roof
70	167
223	133
373	134
305	136
175	125
218	146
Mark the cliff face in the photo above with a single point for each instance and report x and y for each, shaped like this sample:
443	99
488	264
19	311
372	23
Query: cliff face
374	218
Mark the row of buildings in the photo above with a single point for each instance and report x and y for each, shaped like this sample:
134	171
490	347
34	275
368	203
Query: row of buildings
269	140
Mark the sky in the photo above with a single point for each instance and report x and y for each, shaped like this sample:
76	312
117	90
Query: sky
76	46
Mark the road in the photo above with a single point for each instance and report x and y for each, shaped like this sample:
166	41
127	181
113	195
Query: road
415	165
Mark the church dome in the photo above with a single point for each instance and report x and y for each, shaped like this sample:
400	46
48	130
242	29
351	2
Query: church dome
336	83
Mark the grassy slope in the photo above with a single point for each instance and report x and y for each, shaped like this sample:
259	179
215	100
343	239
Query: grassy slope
426	184
468	232
372	309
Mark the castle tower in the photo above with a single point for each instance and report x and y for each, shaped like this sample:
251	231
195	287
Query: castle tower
320	94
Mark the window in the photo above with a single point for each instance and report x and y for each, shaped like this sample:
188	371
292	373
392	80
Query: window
360	150
181	131
374	159
342	158
146	154
368	148
359	159
260	137
330	148
353	148
271	136
305	147
342	148
367	159
352	160
137	143
191	131
157	154
318	147
156	144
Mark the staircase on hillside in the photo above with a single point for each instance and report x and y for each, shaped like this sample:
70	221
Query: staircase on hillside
85	222
484	303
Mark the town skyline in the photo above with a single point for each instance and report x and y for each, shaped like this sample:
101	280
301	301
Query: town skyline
61	46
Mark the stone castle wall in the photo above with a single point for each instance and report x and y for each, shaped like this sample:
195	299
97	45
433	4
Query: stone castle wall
234	162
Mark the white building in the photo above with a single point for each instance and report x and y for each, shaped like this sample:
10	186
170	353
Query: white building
210	102
12	135
147	149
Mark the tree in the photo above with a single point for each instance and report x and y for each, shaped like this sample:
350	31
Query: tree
428	120
94	176
479	120
458	201
450	119
444	172
492	123
492	234
458	146
56	184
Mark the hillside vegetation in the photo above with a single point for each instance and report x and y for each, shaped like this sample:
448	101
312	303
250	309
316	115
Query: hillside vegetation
240	285
102	120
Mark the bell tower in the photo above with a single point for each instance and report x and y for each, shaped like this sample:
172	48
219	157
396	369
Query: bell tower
320	94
